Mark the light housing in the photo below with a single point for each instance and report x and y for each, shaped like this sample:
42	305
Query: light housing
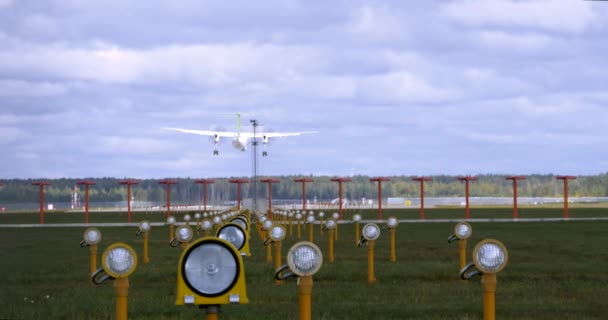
187	218
91	236
356	217
144	226
298	216
310	219
234	234
171	220
463	230
321	214
371	231
119	260
490	256
211	272
277	233
217	220
206	225
184	234
335	216
330	224
197	216
241	222
392	222
304	259
267	225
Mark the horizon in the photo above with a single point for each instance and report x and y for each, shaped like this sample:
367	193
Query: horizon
392	88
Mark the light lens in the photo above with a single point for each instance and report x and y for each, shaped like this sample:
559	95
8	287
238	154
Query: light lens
330	224
210	269
310	219
490	256
144	226
304	258
184	234
240	222
267	225
371	231
171	220
357	217
335	216
187	218
217	220
119	260
92	236
392	222
206	225
321	214
463	230
197	216
232	234
298	216
277	233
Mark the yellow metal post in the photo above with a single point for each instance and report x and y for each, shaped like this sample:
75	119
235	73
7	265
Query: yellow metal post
310	233
185	245
393	256
357	237
331	245
370	261
171	232
305	297
146	258
269	253
321	227
336	232
122	292
207	233
277	259
290	227
462	243
488	281
299	234
93	258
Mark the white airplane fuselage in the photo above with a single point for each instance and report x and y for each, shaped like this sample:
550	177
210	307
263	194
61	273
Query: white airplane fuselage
239	143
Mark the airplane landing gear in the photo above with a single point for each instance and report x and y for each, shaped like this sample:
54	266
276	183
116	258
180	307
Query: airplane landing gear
215	152
264	153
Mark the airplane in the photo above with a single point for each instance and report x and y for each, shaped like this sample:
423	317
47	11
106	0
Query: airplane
240	139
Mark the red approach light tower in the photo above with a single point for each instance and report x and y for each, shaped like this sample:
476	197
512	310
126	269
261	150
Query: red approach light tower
128	183
41	184
238	190
339	181
566	178
86	184
422	180
303	181
168	183
379	180
466	180
205	182
270	181
515	178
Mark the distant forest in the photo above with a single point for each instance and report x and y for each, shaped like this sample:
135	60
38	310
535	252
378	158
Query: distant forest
322	189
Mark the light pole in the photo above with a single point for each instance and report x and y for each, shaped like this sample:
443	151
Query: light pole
41	184
566	178
339	181
422	180
238	190
204	182
379	180
270	181
515	178
303	181
128	183
86	184
168	183
466	180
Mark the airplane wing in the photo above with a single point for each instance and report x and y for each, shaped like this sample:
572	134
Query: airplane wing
205	132
274	134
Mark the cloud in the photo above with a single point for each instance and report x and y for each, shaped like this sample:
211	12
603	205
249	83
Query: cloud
19	88
570	16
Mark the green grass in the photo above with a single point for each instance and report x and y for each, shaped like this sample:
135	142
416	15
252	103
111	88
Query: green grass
556	270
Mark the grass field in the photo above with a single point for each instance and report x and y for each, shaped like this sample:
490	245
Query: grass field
557	270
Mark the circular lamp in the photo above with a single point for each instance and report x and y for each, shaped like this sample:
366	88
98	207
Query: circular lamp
277	233
240	221
267	225
210	267
144	226
392	222
310	219
119	260
356	217
183	234
206	225
463	230
371	231
298	216
490	256
197	216
187	218
170	220
217	220
304	259
232	233
335	216
330	224
205	215
91	236
321	215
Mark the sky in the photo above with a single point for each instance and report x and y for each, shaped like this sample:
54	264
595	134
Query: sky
390	87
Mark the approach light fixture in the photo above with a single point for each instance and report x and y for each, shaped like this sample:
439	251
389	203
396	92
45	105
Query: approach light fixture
392	224
171	224
490	256
183	235
330	226
276	235
90	238
236	235
462	231
357	220
304	259
370	233
143	228
118	261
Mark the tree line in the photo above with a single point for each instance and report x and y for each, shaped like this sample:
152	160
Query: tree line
321	189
